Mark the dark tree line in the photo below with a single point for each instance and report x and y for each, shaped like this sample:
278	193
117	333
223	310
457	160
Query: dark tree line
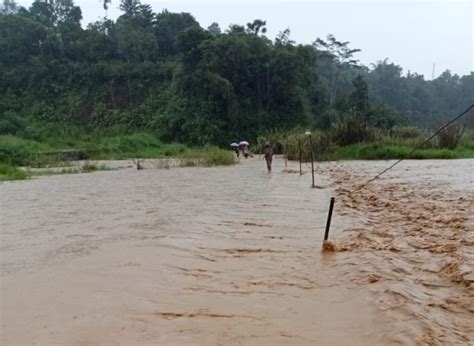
164	72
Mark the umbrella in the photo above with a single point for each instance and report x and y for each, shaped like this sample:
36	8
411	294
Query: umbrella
234	145
244	143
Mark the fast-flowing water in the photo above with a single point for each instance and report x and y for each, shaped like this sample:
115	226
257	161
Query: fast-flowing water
231	255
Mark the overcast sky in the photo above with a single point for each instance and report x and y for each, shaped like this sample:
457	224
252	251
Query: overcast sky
414	34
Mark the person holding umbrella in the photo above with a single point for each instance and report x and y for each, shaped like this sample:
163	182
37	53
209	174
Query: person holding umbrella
244	146
235	147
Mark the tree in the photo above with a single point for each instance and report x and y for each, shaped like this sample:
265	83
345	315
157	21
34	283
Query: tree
167	27
283	38
165	72
56	12
257	26
338	57
214	29
360	96
8	7
130	7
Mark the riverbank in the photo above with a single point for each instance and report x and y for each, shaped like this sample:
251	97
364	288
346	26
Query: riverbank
80	155
65	152
387	151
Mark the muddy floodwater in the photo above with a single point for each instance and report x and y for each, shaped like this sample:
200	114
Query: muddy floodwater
232	256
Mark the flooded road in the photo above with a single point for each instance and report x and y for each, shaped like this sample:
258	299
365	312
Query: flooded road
231	255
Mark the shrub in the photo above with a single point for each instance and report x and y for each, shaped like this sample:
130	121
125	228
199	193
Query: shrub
174	149
406	132
210	156
128	143
8	172
218	157
11	124
16	151
352	130
450	137
289	143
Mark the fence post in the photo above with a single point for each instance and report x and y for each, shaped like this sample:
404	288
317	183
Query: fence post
328	222
299	148
312	158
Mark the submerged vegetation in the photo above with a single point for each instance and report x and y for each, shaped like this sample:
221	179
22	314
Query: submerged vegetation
158	85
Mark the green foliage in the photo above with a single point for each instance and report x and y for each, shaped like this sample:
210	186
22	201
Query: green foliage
17	151
8	172
11	124
380	151
450	137
127	144
406	132
161	77
352	130
360	95
214	156
210	156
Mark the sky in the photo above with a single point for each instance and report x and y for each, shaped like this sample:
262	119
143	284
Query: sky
421	36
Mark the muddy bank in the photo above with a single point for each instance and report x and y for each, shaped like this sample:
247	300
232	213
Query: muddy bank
227	255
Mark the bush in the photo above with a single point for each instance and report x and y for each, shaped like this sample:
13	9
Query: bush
8	172
352	130
174	149
288	142
380	151
450	137
16	151
210	156
130	144
218	157
11	124
406	132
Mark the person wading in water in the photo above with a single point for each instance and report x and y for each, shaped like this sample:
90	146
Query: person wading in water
268	156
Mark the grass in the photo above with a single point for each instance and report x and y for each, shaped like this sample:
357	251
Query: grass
92	167
210	156
55	147
88	167
382	151
47	172
15	151
8	172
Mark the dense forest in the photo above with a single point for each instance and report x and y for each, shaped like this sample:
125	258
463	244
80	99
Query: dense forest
163	72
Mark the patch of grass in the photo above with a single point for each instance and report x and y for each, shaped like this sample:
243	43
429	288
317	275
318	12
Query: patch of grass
88	167
17	151
141	144
47	172
210	156
381	151
127	145
8	172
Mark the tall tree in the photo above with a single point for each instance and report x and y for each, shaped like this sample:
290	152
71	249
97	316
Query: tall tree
338	57
8	7
360	95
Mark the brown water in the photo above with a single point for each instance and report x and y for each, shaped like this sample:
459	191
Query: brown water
232	256
413	233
